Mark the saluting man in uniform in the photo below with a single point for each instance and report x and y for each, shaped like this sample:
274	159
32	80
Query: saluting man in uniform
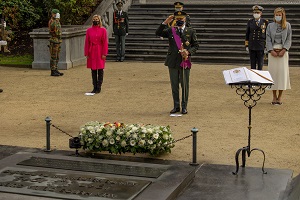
256	38
179	7
120	28
182	44
55	41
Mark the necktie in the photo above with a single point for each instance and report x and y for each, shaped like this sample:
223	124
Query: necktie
119	13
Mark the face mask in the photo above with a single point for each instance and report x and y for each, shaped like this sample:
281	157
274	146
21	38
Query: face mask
177	9
96	23
57	16
179	22
278	18
256	15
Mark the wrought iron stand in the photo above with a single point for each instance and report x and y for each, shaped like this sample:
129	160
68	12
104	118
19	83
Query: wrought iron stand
250	93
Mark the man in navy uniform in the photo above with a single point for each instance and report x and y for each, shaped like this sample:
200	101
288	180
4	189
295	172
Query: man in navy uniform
256	38
179	7
182	44
120	28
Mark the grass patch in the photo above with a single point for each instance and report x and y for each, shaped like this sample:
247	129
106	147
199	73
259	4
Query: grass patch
16	60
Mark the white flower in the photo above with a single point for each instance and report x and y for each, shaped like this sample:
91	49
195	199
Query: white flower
144	130
165	136
143	135
98	130
123	143
141	143
134	136
105	143
132	143
118	138
90	140
111	141
150	130
109	133
155	136
127	134
150	142
134	129
100	137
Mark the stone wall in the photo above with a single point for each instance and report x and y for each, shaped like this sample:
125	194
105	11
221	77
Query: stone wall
72	47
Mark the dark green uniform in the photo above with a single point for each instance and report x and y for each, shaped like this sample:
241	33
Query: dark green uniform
55	41
120	28
178	75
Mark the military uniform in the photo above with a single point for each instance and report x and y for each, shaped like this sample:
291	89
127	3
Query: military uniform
120	29
187	20
178	74
256	40
55	41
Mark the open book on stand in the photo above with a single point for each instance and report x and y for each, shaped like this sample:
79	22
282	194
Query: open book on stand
245	75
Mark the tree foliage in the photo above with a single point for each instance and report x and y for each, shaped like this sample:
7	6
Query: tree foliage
29	14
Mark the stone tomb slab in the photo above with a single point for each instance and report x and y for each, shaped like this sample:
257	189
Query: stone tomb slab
68	185
66	177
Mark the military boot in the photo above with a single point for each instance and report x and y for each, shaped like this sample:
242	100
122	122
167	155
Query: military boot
61	74
54	73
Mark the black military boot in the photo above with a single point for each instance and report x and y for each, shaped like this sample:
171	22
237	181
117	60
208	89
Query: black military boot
61	74
54	73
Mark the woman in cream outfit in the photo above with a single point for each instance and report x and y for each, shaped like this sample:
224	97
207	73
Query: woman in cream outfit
278	41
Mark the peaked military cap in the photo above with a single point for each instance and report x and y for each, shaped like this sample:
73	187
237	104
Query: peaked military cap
120	3
257	8
54	11
178	4
180	14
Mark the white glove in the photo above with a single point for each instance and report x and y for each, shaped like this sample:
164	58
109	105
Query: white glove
126	34
247	49
265	51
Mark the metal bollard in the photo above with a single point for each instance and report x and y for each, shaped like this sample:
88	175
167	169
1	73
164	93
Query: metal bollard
48	123
194	131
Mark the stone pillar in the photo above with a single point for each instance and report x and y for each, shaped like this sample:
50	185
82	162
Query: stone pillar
72	47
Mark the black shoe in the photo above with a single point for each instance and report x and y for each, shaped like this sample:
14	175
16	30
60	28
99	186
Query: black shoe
61	74
54	73
175	110
117	60
1	90
184	111
122	60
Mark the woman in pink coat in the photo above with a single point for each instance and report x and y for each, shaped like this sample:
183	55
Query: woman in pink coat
95	49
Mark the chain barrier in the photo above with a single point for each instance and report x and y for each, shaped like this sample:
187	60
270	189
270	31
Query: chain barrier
61	130
182	138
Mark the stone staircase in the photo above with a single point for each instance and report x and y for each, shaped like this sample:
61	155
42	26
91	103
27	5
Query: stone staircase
220	31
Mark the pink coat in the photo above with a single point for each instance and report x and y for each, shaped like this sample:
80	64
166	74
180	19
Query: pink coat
96	45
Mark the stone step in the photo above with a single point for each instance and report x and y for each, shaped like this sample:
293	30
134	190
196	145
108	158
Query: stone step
220	31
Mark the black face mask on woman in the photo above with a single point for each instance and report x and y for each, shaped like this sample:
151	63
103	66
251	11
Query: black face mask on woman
179	22
96	23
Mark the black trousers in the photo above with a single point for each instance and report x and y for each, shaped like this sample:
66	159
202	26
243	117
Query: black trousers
256	58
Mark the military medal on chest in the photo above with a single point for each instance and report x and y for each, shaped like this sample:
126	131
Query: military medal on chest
263	28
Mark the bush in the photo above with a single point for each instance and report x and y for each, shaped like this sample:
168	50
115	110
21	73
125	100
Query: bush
19	14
